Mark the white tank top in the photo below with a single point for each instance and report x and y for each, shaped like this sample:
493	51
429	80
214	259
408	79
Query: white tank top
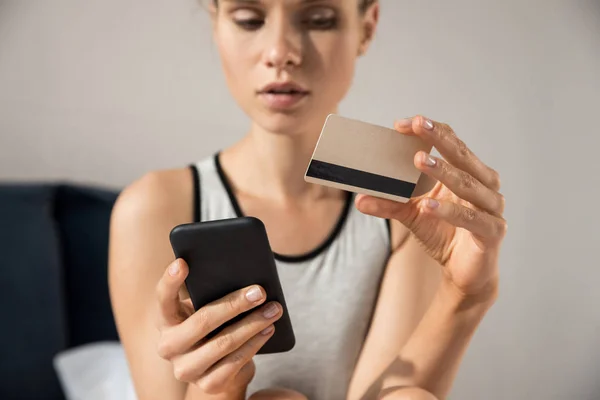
330	293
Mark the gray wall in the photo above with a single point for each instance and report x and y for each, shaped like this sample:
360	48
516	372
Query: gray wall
100	91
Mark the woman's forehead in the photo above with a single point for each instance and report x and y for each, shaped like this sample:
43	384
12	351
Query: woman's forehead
256	2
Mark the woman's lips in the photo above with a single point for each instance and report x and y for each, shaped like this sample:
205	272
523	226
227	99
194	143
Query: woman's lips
282	101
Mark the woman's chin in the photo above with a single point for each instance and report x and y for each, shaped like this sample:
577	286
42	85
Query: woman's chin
292	124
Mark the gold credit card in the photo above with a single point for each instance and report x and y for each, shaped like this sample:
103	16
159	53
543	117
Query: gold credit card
364	158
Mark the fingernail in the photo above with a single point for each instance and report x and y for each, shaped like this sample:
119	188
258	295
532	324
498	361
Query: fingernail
267	331
427	124
404	122
271	311
429	161
174	269
253	295
432	203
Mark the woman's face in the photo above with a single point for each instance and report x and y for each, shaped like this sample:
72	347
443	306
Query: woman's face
288	63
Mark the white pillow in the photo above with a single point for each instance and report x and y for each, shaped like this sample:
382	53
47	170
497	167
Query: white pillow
96	371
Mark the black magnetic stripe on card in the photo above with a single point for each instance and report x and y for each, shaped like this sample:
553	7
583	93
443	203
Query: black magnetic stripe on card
354	177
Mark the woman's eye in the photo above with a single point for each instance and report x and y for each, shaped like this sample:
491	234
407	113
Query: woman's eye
250	24
321	19
248	19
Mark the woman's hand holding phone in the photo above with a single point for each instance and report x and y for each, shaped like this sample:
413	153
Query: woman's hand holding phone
224	361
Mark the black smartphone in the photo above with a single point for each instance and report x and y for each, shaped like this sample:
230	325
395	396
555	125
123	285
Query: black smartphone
227	255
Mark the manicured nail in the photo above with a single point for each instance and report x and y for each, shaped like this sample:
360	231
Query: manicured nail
254	294
427	124
432	203
271	311
429	161
174	269
267	330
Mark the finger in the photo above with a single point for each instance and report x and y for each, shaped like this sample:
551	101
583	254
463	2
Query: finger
219	375
461	183
167	293
443	138
187	306
387	209
187	334
404	126
191	366
481	224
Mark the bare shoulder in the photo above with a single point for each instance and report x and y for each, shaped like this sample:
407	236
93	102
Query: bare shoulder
141	220
154	197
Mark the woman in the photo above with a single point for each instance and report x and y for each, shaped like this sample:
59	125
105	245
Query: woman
384	297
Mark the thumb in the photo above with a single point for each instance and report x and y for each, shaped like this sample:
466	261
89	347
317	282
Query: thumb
170	309
389	209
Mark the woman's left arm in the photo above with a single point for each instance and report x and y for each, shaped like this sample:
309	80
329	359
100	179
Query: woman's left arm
410	281
459	224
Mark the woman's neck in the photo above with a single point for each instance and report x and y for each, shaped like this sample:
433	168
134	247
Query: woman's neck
267	164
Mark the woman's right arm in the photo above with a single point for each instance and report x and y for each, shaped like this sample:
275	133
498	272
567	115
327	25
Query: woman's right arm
162	335
138	253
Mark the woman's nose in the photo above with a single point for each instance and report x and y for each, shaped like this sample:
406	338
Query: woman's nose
284	49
